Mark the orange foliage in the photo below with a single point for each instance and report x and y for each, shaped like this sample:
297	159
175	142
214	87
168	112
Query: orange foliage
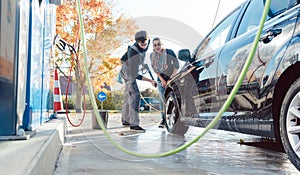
95	13
105	33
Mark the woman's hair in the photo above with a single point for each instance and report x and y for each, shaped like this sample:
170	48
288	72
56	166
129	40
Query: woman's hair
156	39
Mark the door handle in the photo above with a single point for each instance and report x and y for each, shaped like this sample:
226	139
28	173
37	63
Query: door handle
268	37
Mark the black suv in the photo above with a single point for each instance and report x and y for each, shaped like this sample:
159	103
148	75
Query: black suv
268	101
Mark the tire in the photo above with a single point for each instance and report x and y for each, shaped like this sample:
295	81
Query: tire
289	122
172	118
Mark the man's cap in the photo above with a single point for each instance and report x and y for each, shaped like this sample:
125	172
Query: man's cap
140	36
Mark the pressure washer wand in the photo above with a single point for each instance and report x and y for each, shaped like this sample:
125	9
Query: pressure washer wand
150	73
147	68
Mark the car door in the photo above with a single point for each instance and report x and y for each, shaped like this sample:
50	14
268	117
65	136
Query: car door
197	81
249	111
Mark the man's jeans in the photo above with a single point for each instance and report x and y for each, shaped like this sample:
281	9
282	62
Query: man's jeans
161	91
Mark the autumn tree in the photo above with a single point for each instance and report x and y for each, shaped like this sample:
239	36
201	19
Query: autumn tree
104	33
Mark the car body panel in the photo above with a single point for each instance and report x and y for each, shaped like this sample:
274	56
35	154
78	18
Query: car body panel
252	104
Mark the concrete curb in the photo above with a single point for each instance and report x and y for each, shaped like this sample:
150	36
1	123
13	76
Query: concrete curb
44	161
37	155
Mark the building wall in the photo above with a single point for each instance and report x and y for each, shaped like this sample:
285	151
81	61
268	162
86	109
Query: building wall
43	28
8	16
27	30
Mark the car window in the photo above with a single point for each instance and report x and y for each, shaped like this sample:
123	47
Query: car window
278	6
293	3
144	100
218	36
252	16
155	100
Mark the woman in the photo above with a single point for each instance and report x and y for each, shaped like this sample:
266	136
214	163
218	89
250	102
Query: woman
165	64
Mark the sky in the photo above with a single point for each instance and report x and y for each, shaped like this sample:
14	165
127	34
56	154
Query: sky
198	14
179	23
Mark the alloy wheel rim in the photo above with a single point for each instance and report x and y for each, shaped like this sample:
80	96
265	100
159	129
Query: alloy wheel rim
170	118
293	124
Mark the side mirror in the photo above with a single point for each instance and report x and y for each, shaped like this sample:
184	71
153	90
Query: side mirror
184	55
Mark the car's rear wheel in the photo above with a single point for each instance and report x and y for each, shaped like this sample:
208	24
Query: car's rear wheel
289	123
173	123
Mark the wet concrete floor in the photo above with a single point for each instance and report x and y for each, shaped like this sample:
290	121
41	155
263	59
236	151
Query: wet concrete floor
88	151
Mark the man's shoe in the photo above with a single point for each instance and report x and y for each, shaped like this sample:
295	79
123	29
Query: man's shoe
125	124
137	128
162	124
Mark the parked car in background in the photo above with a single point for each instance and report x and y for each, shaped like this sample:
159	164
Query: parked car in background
268	101
149	104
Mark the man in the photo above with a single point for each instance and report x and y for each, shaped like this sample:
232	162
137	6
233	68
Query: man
165	65
129	72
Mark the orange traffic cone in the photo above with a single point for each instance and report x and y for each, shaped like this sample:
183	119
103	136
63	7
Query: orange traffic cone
57	96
